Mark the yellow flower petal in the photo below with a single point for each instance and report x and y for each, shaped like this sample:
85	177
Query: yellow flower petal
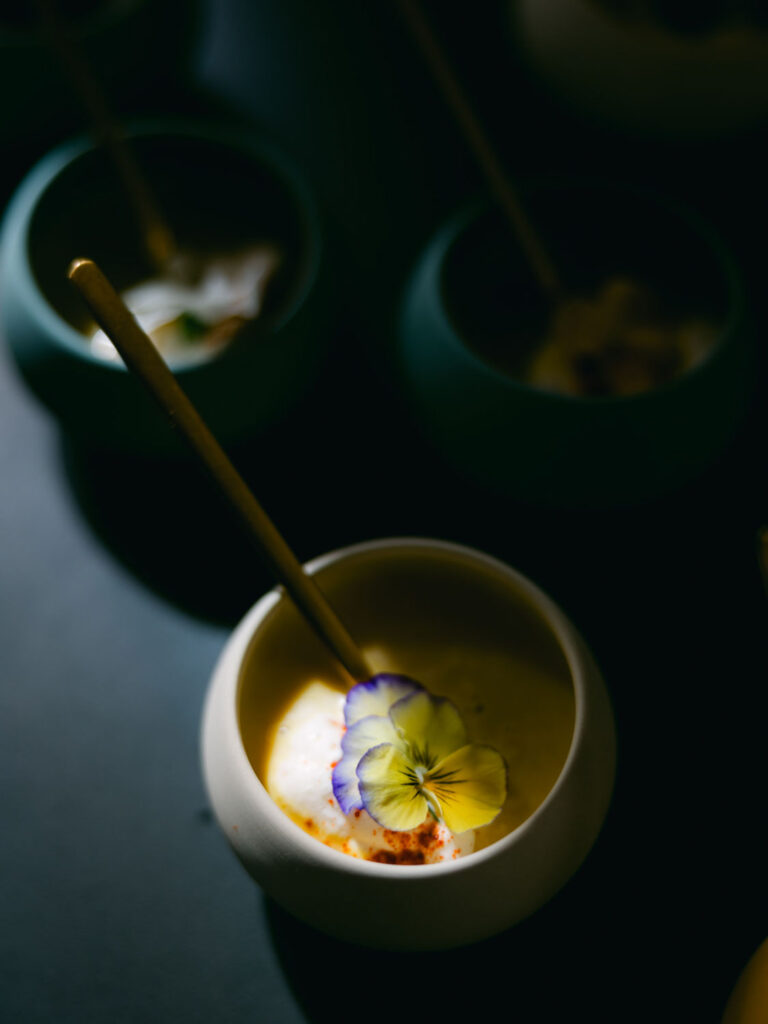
431	725
470	785
389	789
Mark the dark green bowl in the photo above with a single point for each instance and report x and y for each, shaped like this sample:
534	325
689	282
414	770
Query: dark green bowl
471	289
217	187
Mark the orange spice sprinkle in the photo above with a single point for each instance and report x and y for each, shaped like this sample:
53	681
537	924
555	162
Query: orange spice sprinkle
403	857
410	847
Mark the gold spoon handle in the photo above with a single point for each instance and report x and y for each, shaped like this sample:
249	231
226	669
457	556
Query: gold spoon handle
478	141
141	356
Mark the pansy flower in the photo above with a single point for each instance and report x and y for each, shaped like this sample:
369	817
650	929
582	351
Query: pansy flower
405	755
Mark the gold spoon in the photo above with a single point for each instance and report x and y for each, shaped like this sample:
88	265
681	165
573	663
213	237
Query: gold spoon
478	141
158	238
143	359
610	340
178	266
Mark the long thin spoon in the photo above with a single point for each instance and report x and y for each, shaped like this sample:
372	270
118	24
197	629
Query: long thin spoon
157	236
479	143
141	356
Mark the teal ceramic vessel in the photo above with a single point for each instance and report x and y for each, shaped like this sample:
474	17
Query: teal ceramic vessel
218	187
471	291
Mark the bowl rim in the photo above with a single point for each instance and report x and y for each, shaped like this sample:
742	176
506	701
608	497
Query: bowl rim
243	140
226	681
442	243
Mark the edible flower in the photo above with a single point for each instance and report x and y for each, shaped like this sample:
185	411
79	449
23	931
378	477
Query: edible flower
405	755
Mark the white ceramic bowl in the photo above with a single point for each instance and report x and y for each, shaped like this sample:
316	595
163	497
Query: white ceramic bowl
430	906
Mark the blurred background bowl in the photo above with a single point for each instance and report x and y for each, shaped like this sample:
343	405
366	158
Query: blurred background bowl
472	300
641	75
219	188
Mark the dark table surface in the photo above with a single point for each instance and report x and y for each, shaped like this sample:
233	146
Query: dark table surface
119	583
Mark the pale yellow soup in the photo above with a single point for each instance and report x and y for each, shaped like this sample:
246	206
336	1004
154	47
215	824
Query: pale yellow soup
454	627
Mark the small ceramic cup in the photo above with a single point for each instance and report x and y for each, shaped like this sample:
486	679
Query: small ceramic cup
429	906
471	296
220	188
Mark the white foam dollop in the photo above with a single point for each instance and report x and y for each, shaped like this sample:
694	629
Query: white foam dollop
298	778
229	289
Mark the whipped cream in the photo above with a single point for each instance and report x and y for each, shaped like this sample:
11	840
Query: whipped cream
188	321
306	746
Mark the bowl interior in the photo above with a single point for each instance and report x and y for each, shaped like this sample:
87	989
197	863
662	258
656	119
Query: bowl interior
216	196
456	625
593	233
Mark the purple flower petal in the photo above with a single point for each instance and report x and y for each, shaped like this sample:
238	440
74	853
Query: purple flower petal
345	785
376	696
368	732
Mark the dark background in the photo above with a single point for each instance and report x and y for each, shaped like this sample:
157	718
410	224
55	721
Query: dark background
119	582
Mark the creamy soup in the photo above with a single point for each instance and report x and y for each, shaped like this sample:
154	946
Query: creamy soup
459	631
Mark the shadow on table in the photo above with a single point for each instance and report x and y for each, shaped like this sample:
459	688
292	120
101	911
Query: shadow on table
350	464
563	958
166	525
541	970
345	466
